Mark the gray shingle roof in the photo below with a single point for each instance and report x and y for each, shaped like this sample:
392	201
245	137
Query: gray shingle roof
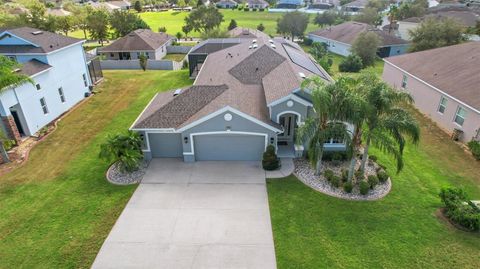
454	70
258	64
179	109
46	41
33	67
138	40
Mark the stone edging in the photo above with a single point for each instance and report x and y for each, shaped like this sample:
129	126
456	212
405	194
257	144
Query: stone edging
329	190
138	179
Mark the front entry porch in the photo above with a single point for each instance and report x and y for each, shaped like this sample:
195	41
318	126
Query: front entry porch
286	147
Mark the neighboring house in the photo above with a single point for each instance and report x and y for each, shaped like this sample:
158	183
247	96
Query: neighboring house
246	96
339	39
323	4
141	41
290	4
110	6
466	18
445	84
258	4
355	6
58	67
226	4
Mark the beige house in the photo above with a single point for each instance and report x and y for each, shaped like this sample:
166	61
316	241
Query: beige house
445	84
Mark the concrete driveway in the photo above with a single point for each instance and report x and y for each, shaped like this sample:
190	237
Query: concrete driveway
197	215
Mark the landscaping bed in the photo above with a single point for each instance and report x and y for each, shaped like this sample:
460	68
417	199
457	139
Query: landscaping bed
335	188
115	175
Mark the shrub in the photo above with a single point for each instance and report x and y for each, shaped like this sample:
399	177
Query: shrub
254	9
344	175
328	174
373	181
459	209
372	158
270	160
330	155
352	63
335	180
307	41
8	144
185	64
474	147
126	149
348	187
337	158
246	9
364	187
382	176
261	9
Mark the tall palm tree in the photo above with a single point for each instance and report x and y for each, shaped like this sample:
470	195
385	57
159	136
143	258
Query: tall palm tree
392	16
387	123
329	103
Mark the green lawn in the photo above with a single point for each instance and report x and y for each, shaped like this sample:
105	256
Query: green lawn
312	230
178	57
56	210
174	21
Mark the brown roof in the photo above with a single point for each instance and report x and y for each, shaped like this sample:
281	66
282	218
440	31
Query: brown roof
347	32
247	89
454	70
33	67
167	111
45	41
138	40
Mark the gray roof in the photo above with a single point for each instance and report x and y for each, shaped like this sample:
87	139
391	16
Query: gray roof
258	64
33	67
45	41
179	109
347	32
213	45
138	40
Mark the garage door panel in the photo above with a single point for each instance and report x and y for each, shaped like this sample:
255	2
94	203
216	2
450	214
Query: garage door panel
229	147
166	145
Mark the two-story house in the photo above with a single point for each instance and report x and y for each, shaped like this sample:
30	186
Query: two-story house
246	95
56	64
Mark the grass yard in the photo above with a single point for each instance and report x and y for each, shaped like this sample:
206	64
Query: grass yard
312	230
174	20
56	210
178	57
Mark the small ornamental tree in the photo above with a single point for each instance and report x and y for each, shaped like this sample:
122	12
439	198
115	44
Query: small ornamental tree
178	35
126	149
232	25
352	63
270	160
162	29
138	6
143	61
260	27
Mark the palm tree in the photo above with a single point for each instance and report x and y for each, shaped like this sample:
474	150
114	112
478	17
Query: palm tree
392	16
387	122
9	77
126	149
329	102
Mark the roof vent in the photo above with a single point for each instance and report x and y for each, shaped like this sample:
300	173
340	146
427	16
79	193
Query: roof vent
273	46
302	75
254	41
255	46
177	92
37	32
271	41
249	47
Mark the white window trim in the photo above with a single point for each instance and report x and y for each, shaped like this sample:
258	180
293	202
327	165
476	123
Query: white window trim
192	135
46	106
299	116
440	105
456	114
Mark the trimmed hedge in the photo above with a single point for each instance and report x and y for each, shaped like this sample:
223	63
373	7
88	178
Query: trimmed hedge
459	209
364	187
474	147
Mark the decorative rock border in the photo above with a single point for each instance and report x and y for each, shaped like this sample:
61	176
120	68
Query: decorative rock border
306	174
115	176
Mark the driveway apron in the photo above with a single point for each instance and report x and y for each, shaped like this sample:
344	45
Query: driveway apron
194	215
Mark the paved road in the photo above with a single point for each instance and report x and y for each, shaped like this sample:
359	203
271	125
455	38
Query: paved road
198	215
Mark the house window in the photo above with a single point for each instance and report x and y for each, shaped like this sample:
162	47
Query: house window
443	105
404	81
85	82
112	55
44	105
460	115
38	87
62	95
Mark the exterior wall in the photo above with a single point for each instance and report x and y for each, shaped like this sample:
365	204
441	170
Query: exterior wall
133	55
282	107
333	46
68	67
427	100
218	124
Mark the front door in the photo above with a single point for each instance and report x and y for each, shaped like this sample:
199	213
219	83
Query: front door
288	122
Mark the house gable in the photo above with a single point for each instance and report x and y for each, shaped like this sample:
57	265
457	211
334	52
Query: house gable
8	39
